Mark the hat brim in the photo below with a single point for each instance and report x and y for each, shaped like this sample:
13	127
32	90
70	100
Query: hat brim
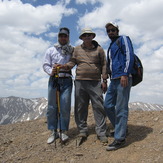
94	35
65	32
108	24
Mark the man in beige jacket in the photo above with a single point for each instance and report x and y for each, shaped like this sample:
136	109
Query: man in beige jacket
91	68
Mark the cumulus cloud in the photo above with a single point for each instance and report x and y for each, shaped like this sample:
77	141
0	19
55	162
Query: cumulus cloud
97	18
140	19
26	31
22	46
85	1
27	18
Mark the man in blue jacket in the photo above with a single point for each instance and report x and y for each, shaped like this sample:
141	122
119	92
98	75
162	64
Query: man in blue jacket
120	59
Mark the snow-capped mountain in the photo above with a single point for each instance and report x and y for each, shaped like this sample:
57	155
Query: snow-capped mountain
16	109
145	106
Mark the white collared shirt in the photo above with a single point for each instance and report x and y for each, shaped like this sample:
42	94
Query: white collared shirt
53	56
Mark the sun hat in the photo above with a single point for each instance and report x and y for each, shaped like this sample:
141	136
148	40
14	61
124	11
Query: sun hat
87	30
113	24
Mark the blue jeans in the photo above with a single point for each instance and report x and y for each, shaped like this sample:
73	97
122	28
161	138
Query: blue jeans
116	106
53	120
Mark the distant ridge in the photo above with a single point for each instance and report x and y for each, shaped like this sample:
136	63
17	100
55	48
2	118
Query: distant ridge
145	106
16	109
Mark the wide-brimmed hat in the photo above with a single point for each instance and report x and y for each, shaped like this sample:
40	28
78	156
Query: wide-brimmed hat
113	24
87	30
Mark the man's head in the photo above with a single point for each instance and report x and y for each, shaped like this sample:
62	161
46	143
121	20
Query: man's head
63	36
112	30
87	35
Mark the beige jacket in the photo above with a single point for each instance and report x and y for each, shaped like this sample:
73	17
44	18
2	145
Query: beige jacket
91	63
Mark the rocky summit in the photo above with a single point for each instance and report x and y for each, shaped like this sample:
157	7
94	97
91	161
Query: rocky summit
25	142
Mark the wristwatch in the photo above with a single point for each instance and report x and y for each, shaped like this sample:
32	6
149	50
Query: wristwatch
105	80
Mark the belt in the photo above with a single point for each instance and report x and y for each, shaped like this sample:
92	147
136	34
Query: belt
68	77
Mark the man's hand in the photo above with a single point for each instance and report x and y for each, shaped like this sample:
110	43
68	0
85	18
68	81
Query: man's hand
54	69
64	67
124	81
104	87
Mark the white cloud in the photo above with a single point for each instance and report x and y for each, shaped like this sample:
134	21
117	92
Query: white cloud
27	18
22	46
22	43
150	90
86	1
97	18
141	20
51	35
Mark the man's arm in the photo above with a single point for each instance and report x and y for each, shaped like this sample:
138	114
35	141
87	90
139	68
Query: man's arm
47	63
103	64
129	59
128	53
104	70
71	63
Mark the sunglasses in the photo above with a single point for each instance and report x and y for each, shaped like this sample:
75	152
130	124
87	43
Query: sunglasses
111	30
86	34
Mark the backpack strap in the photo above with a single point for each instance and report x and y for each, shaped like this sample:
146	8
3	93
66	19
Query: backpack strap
119	44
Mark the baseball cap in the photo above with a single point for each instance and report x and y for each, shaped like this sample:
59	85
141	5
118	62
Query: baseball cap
113	24
64	31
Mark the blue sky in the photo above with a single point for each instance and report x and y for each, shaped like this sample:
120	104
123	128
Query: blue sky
29	27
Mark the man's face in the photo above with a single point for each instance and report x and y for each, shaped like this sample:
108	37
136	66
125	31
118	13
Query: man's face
63	39
87	37
112	32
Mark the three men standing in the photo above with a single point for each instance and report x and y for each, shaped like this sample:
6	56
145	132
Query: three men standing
91	64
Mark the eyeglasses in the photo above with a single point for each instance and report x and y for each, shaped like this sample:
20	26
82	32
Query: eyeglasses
111	30
86	34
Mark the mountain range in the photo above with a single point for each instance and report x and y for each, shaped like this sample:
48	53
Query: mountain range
16	109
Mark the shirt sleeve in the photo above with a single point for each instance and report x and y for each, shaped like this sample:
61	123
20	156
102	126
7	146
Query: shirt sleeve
47	63
128	55
103	64
72	61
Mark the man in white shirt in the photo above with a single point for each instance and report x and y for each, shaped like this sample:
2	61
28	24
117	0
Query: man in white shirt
59	54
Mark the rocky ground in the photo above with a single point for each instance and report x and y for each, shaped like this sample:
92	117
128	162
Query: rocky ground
26	142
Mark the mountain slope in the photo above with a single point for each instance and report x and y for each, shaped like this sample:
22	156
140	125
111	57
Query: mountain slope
25	142
15	109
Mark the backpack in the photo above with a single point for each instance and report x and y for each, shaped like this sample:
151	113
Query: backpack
137	74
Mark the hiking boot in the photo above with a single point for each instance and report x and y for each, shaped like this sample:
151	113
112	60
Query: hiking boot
116	145
63	136
83	134
54	135
103	139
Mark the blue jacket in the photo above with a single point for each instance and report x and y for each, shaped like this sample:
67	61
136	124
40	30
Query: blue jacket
120	57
